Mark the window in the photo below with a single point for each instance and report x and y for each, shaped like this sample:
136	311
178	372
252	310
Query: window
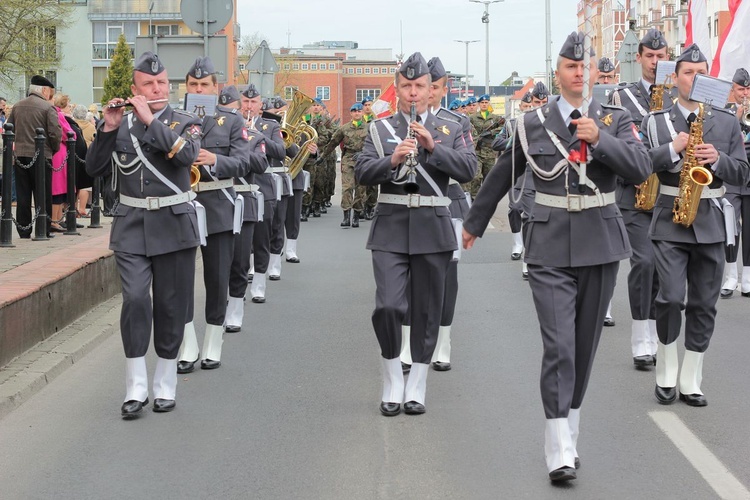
45	44
242	66
304	66
165	29
314	66
350	71
287	66
295	66
106	34
375	71
362	93
331	65
289	92
367	71
359	71
323	93
392	71
384	70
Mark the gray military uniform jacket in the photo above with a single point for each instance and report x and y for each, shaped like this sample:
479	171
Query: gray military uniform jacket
556	237
459	206
743	190
258	163
224	135
137	230
275	151
398	228
721	129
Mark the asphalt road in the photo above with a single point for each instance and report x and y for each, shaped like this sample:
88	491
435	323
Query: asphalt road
293	411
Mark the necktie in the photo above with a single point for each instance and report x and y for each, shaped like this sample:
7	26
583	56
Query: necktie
574	115
691	118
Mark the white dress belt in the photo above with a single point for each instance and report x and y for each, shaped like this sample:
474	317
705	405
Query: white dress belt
574	202
414	200
156	202
706	193
276	170
213	185
244	188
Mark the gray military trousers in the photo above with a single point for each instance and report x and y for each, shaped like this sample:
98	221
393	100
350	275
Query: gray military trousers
643	281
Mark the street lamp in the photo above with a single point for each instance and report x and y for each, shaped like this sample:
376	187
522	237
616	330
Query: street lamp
486	22
467	42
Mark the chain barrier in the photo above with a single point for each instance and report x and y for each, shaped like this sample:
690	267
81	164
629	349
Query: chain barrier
64	163
20	228
31	164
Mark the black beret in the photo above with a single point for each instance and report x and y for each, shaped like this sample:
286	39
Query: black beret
605	65
437	71
228	95
692	54
414	67
149	63
741	77
251	91
201	68
653	39
573	47
540	91
41	81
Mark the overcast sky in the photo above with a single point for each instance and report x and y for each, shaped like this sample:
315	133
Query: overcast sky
516	29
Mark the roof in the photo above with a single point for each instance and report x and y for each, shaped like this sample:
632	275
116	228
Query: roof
518	94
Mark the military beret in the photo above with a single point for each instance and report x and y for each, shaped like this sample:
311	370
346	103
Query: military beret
251	91
414	67
483	97
201	68
357	106
229	95
462	104
741	77
605	65
318	101
40	81
367	99
454	104
471	100
540	91
526	97
149	63
573	47
653	39
437	71
692	54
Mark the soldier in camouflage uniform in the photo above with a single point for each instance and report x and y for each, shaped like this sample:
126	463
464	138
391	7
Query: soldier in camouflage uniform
314	198
351	136
371	192
487	127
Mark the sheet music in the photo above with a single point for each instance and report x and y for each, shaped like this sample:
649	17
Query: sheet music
710	90
201	104
664	70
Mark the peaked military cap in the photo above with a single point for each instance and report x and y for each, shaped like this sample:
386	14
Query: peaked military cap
540	91
692	54
414	67
605	65
40	81
471	100
251	91
357	106
437	71
483	97
526	97
741	77
149	63
573	47
229	95
653	39
201	68
367	99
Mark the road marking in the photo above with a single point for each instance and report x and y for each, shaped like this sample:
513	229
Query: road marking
713	471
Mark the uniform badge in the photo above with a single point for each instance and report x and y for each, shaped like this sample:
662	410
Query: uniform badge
655	43
264	127
444	129
173	125
154	66
410	73
578	50
636	133
244	134
194	132
220	121
606	119
123	157
198	72
694	56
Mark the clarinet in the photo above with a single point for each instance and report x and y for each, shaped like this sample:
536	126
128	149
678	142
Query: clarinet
410	162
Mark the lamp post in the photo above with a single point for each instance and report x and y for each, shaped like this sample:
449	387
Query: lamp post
486	21
466	76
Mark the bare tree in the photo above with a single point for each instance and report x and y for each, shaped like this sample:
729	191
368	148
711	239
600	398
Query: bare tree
248	45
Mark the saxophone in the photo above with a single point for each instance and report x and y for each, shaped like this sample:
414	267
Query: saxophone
693	177
647	191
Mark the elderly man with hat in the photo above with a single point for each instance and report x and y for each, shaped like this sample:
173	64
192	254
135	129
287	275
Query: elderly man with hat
155	229
35	111
739	196
575	236
225	154
606	69
690	256
412	238
643	282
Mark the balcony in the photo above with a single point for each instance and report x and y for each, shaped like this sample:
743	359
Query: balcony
654	17
668	13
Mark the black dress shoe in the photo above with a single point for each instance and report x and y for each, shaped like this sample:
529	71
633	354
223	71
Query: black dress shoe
577	463
293	260
79	226
744	294
515	256
644	362
390	409
232	329
726	293
405	368
609	322
665	395
259	300
210	364
186	366
163	405
440	366
274	277
132	409
413	408
562	474
694	399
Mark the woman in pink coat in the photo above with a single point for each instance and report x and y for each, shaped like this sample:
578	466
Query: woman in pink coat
60	166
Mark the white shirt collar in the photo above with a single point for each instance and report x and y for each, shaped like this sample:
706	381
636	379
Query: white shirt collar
646	85
685	112
565	109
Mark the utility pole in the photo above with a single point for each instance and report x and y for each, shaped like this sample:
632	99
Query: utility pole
486	22
548	43
467	42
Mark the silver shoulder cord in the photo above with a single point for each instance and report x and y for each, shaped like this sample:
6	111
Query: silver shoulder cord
512	137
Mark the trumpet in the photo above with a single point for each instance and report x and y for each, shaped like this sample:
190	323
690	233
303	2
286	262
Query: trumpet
195	175
745	116
411	186
127	103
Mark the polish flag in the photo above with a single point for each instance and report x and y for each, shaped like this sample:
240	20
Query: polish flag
734	46
385	105
697	27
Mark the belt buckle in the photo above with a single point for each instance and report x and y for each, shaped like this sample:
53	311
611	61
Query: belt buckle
152	203
575	202
413	201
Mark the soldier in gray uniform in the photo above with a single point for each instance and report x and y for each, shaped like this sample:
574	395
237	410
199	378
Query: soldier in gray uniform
739	196
643	283
154	226
690	259
294	210
411	238
224	155
574	239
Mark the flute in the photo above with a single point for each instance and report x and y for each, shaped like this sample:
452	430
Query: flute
126	103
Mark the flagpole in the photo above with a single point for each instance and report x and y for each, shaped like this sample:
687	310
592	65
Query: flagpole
586	90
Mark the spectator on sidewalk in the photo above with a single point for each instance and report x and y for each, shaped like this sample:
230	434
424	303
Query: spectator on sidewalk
84	120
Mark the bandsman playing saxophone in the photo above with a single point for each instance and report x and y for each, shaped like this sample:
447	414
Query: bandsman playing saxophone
693	256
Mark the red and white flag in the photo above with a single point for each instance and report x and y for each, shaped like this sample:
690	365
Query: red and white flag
385	105
734	47
696	27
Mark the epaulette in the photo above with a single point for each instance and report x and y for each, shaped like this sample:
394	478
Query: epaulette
623	84
182	112
382	118
614	106
724	110
447	114
667	110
